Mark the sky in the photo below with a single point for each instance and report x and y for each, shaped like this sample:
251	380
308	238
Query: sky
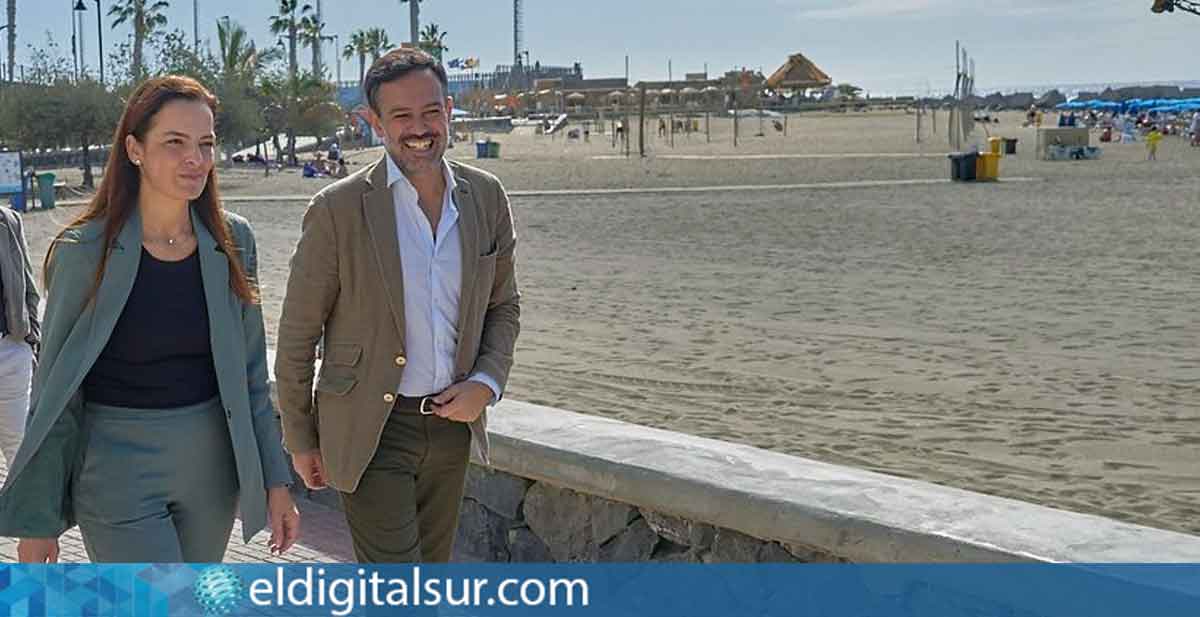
885	46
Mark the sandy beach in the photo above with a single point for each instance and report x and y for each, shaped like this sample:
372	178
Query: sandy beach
1034	339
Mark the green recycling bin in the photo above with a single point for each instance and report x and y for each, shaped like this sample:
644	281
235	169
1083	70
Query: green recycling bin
493	149
46	189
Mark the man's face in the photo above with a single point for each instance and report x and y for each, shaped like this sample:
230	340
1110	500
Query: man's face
413	115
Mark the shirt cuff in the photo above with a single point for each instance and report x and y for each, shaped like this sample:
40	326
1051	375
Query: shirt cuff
484	379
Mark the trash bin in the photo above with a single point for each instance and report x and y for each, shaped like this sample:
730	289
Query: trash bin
481	149
493	149
17	200
1010	145
996	145
988	167
962	166
46	189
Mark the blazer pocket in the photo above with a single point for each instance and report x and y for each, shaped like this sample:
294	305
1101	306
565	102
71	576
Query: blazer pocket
339	385
343	354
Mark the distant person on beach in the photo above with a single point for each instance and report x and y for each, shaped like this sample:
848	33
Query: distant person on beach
153	361
1195	128
20	330
1153	138
404	275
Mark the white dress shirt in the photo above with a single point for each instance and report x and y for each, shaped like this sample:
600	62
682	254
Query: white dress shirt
432	270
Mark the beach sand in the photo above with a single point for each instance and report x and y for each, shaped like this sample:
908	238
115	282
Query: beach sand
1036	340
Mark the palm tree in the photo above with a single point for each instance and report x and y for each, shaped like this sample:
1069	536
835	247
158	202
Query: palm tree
377	42
304	105
414	20
240	58
433	40
359	45
145	20
310	36
286	24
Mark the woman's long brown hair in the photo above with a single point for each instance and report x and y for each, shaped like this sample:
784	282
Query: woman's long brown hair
118	194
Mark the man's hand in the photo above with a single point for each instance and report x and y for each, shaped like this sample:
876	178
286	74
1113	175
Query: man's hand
463	402
311	468
284	520
37	550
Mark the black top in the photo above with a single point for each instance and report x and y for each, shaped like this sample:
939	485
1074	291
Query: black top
158	355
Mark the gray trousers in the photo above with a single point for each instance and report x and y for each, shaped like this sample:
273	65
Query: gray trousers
16	371
156	485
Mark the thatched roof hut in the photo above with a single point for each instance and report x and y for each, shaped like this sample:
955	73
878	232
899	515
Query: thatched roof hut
798	73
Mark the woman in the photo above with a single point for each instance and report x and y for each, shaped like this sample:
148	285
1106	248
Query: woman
151	420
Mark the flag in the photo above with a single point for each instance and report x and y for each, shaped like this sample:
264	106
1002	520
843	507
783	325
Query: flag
456	63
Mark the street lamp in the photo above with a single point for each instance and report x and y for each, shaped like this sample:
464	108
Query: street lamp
74	48
79	9
100	39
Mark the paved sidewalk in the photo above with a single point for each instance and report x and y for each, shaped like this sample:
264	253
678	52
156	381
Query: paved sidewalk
323	539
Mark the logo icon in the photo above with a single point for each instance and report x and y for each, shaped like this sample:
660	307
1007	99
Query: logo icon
218	590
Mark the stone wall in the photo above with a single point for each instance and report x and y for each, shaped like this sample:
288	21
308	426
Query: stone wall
507	518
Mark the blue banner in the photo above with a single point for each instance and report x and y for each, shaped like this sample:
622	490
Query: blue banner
642	590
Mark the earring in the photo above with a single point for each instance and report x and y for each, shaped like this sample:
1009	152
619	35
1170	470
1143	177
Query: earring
137	163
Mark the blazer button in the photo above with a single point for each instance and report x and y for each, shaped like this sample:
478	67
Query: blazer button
389	398
401	361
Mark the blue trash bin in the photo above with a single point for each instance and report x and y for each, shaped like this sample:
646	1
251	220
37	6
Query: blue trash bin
481	149
18	201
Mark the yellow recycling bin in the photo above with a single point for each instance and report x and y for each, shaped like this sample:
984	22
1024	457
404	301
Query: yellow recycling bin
996	144
987	166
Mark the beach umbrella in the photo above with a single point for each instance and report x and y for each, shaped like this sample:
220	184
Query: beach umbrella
616	94
576	96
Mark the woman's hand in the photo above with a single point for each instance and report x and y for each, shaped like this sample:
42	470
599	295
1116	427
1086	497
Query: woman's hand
284	519
37	550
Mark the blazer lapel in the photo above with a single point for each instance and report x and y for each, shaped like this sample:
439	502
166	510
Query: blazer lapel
214	273
468	231
119	274
379	211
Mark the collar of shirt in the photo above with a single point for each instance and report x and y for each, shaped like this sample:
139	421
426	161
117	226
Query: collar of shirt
394	175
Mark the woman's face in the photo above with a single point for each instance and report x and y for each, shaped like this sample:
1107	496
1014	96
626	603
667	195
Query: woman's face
176	155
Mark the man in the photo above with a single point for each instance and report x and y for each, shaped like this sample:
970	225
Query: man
20	331
406	270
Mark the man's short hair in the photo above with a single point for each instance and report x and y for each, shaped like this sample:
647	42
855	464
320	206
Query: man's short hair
396	64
